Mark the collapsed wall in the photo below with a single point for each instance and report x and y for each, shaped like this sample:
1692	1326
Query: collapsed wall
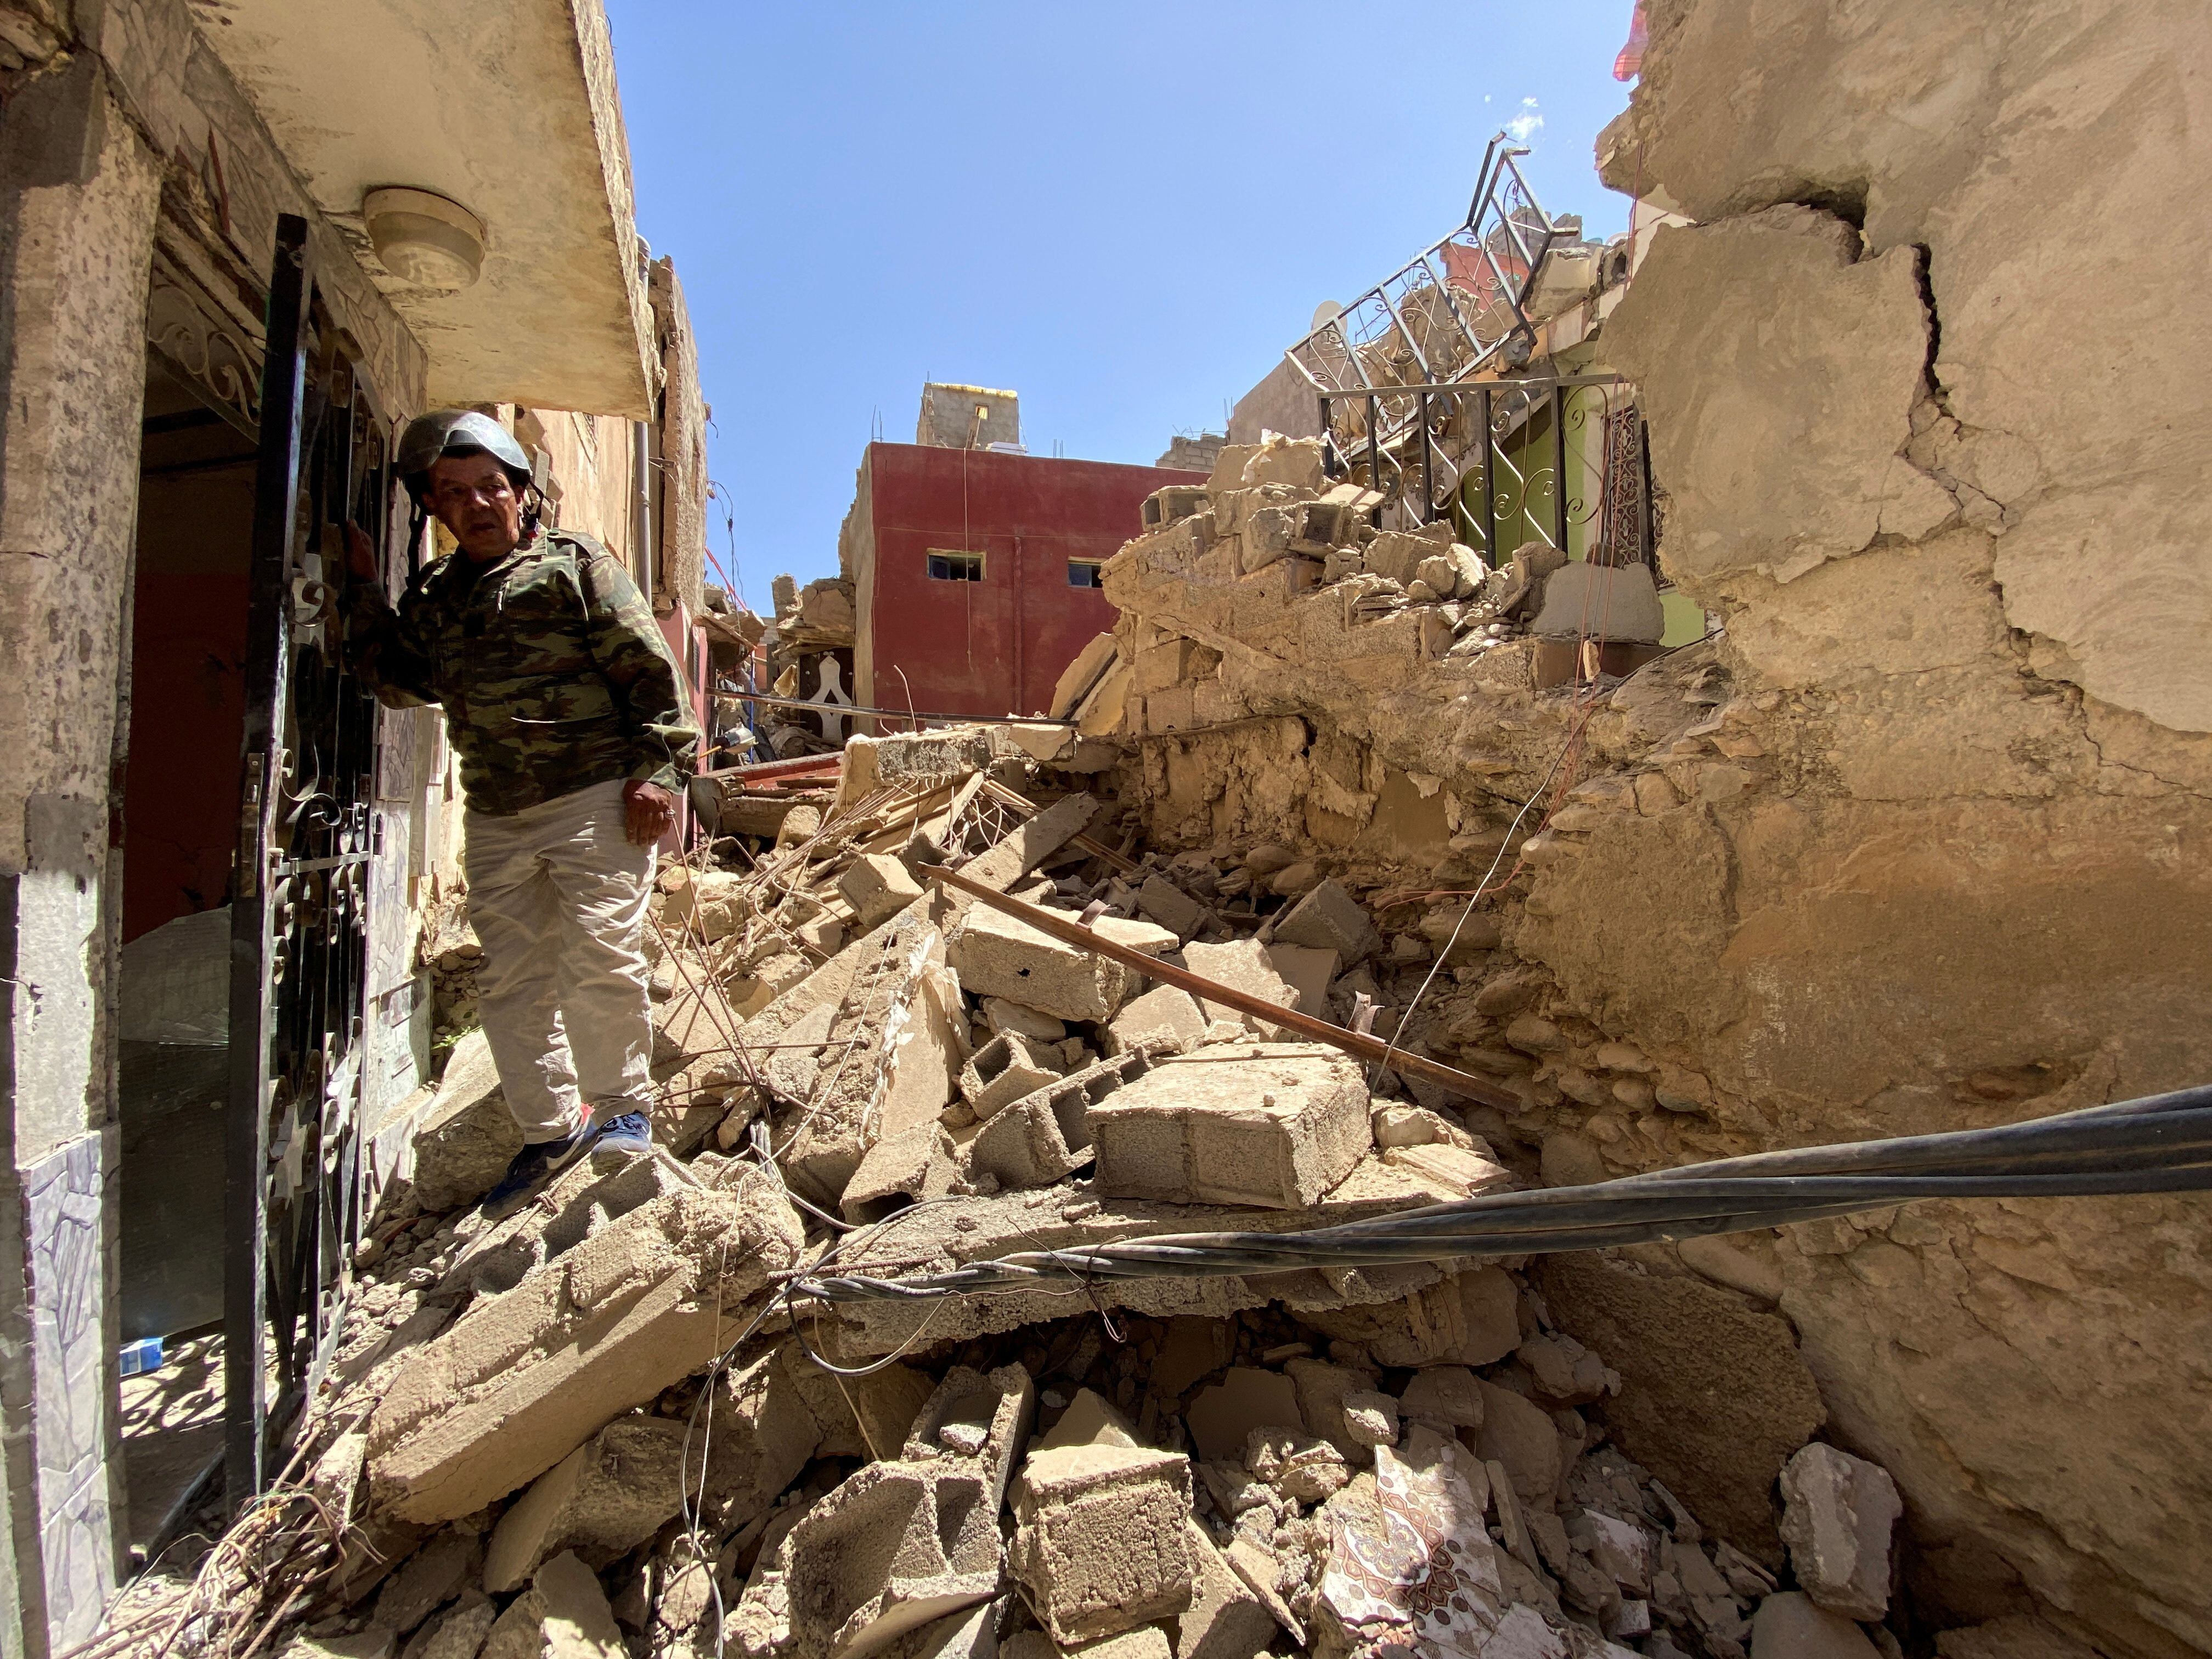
1919	843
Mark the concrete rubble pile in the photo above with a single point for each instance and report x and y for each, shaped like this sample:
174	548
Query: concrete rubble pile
598	1427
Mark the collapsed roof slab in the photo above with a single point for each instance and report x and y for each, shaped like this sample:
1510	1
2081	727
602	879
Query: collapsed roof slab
508	108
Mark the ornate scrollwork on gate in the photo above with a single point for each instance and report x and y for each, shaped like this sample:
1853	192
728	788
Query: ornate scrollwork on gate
222	362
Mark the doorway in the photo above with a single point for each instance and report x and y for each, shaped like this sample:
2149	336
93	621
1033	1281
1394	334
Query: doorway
180	791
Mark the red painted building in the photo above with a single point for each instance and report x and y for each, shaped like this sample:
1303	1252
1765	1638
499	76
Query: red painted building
974	572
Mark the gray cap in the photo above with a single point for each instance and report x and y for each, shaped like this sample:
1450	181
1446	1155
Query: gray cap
456	432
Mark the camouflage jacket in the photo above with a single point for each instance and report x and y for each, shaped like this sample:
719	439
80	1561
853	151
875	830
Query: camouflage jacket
553	674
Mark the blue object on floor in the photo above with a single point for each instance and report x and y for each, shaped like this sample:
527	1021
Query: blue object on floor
143	1355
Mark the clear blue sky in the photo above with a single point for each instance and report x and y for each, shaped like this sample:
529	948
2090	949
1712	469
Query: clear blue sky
1125	212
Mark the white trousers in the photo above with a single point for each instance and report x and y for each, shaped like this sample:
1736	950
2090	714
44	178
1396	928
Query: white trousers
556	893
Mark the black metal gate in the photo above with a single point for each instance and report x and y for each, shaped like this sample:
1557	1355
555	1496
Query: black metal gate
306	830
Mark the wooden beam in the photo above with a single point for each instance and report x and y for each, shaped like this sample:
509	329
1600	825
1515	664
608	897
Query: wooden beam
1068	931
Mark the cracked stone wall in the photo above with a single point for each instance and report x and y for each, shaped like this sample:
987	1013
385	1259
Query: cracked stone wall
1924	840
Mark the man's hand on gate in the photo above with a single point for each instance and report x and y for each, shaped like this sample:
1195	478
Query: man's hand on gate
361	553
650	811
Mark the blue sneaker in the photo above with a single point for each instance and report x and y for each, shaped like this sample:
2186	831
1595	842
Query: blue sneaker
618	1140
532	1170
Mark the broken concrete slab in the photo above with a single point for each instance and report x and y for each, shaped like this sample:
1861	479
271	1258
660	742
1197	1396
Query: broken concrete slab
1004	1069
1321	1389
1221	1417
896	1546
1166	1016
458	1632
878	886
522	1380
464	1140
609	1495
1471	1318
1192	1349
1029	844
962	1229
863	1417
1837	1513
1272	1124
1101	1541
997	954
1329	919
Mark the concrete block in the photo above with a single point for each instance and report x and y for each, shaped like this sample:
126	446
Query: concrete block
1308	972
1004	1069
428	1579
1166	1015
1101	1538
897	1546
980	1420
1089	1420
1001	1015
902	1168
1589	601
1221	1417
1170	906
1171	709
1029	844
464	1141
1519	1434
1242	965
1330	919
1471	1318
997	954
1167	663
1446	1396
1225	1619
520	1381
1837	1513
1322	1390
1047	1135
1792	1625
563	1615
609	1495
1274	1124
878	886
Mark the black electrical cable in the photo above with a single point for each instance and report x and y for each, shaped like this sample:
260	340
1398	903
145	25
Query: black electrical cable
2159	1144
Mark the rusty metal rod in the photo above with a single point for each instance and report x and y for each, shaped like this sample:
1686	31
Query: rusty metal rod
1068	932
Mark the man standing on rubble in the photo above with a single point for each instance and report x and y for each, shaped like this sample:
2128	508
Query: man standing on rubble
567	710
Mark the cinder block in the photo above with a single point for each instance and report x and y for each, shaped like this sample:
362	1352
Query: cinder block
1003	1070
978	1420
1101	1539
1047	1135
896	1546
1274	1124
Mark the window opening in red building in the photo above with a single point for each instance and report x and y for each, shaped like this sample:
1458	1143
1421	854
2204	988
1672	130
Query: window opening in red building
955	566
1085	572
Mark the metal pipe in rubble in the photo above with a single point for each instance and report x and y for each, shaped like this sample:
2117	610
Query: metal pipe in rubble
2159	1144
